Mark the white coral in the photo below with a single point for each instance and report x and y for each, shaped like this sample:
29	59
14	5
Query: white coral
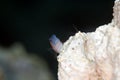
92	56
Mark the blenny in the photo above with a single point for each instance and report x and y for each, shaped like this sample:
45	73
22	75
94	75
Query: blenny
55	43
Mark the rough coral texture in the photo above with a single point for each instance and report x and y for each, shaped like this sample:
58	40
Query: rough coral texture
94	55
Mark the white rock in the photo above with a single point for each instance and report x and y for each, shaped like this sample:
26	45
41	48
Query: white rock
94	55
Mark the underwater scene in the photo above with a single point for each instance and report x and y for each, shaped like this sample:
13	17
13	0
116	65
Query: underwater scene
33	31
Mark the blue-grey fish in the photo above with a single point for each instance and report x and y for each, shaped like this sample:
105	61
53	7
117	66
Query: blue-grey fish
55	43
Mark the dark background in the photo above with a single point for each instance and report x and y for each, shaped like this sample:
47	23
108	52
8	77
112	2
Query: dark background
32	22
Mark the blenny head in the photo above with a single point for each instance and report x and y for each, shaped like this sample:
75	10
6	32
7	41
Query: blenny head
55	43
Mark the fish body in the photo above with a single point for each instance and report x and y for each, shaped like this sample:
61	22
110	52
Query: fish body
55	43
